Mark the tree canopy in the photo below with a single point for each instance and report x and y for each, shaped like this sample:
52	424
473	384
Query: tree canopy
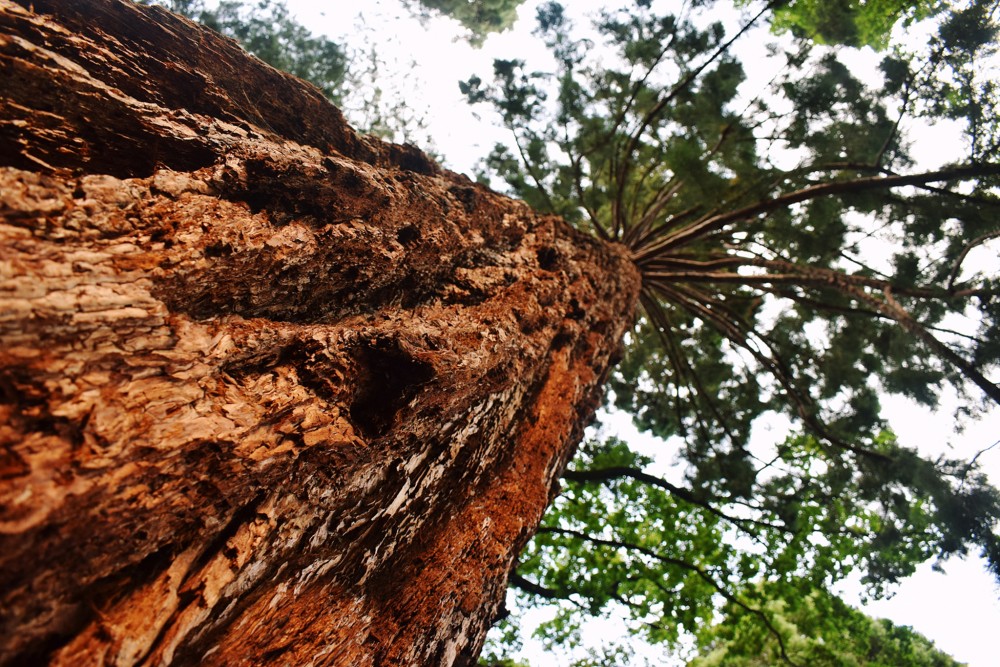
851	22
480	18
818	630
795	261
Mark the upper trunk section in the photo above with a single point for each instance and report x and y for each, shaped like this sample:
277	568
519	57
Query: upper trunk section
270	392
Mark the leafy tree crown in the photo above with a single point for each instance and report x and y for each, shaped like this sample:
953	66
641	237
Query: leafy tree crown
795	262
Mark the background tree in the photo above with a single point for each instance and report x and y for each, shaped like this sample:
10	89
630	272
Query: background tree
851	22
794	261
480	18
818	630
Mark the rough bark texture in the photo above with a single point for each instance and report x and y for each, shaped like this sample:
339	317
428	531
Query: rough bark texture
270	392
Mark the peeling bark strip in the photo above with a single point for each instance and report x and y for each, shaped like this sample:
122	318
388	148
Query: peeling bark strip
270	393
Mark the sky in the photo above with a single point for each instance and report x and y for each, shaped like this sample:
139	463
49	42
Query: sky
958	609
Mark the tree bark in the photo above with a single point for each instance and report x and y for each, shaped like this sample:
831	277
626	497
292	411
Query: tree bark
270	392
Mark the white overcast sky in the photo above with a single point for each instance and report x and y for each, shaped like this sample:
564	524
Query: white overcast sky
959	610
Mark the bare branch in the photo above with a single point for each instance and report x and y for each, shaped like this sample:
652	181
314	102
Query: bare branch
805	276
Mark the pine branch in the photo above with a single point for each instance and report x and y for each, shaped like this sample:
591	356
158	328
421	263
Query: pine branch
703	227
740	333
957	266
651	115
692	379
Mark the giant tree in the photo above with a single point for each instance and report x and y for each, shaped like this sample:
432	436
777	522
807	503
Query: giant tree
270	392
282	393
794	261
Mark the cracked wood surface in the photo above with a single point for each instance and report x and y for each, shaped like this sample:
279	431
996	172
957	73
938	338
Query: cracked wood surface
270	392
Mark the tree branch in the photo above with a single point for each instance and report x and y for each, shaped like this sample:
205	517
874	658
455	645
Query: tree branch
957	266
738	331
619	472
715	222
893	309
625	159
517	581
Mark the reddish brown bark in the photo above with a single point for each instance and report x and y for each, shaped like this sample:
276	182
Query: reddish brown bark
272	393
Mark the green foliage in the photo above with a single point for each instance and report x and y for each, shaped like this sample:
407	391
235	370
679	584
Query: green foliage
794	263
851	22
507	641
621	538
480	17
816	629
266	29
490	661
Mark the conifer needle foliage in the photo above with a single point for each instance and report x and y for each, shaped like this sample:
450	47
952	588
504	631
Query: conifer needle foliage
796	261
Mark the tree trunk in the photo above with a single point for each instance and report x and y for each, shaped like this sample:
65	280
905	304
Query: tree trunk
270	392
